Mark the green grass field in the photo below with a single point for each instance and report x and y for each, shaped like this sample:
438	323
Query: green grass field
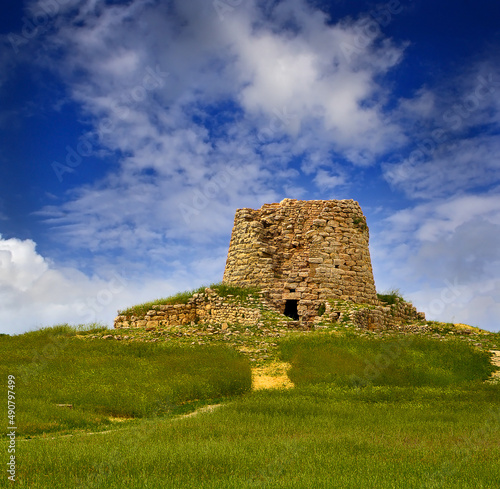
424	418
408	361
102	379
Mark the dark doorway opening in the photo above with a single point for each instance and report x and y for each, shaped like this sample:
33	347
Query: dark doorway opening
291	309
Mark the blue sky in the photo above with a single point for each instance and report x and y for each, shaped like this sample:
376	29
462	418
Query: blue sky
131	131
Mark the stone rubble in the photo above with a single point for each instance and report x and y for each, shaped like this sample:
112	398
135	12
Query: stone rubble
394	316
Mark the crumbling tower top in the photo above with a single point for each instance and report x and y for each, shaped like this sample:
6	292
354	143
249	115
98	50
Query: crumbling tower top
302	253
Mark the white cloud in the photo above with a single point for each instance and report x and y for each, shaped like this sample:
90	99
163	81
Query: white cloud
34	292
308	73
424	249
452	133
463	165
440	218
327	181
19	264
422	105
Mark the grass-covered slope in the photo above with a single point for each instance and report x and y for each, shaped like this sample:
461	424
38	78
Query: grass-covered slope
298	439
424	418
410	360
103	379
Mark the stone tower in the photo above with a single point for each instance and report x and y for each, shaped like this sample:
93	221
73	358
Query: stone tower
301	253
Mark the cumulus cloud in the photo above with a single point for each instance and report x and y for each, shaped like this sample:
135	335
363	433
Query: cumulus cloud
325	180
35	292
20	264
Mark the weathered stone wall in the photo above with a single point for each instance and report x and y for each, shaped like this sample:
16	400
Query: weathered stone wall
371	317
209	309
202	309
303	251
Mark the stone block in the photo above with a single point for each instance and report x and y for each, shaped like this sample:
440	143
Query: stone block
291	296
316	260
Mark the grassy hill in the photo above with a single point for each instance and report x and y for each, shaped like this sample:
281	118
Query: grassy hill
97	408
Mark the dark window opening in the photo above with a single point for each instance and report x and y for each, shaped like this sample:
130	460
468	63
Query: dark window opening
291	309
336	266
292	290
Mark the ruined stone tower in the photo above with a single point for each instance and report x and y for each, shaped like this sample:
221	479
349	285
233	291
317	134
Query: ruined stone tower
301	253
311	261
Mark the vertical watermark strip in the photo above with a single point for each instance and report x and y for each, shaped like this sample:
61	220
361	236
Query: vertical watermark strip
11	427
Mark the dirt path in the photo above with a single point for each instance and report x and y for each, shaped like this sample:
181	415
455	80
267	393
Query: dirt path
204	409
271	376
495	360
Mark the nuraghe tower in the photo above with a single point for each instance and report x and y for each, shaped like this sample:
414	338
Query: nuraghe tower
311	261
301	253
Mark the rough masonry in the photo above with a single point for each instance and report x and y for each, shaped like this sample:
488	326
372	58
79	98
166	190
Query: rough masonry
303	253
207	309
